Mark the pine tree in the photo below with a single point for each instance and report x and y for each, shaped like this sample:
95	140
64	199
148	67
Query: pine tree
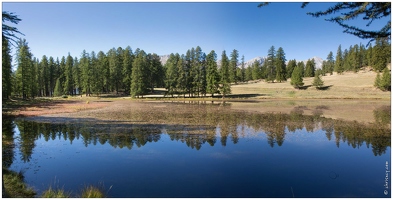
127	68
25	67
330	63
76	75
6	69
377	81
290	67
381	54
225	80
339	65
103	63
182	78
139	77
87	73
385	84
243	70
69	81
310	68
58	91
172	73
296	78
233	66
280	65
52	75
212	77
271	68
318	83
301	68
256	70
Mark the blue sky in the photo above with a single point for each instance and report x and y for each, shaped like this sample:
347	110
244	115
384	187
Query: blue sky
56	29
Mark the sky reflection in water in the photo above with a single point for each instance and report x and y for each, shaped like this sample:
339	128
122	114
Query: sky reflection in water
139	161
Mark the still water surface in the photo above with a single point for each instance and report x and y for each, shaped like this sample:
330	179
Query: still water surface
238	160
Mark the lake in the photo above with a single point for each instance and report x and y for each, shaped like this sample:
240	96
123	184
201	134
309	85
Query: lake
209	154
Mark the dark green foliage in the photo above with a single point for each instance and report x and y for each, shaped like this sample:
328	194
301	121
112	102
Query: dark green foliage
318	83
172	73
58	88
25	68
369	11
224	71
8	32
271	67
301	68
213	78
241	74
139	76
6	69
383	83
248	74
310	68
290	67
69	81
256	70
87	73
280	65
339	64
328	65
233	66
381	54
127	68
296	78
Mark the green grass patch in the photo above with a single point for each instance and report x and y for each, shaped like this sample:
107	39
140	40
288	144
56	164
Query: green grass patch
55	193
14	186
92	192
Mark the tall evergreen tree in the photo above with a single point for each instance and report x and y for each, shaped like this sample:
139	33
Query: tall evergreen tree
256	70
330	63
69	80
52	75
6	69
127	68
233	66
301	68
225	80
339	64
182	78
242	75
381	54
310	68
290	67
212	77
139	77
87	73
25	67
271	69
172	73
103	63
76	75
280	65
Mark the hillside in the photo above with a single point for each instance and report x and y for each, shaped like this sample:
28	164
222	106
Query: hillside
347	86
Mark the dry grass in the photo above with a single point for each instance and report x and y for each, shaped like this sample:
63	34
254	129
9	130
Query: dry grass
346	86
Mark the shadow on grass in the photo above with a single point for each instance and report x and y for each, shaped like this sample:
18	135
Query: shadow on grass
241	95
304	87
324	87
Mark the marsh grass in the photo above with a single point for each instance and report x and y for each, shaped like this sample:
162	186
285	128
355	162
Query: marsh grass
55	193
92	192
14	185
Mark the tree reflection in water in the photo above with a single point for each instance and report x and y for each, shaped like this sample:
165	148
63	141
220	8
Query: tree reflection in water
202	126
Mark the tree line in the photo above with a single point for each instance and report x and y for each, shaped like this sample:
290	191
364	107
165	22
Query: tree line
135	73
